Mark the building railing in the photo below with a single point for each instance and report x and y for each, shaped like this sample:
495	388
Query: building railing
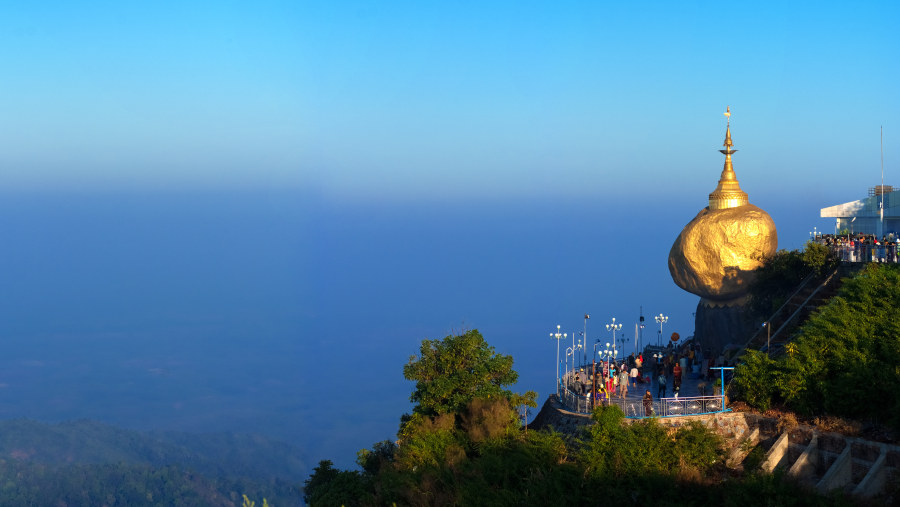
634	408
867	253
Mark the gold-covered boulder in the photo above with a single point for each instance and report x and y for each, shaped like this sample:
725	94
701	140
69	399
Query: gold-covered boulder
716	253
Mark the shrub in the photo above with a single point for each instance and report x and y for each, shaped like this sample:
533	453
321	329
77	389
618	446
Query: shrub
697	446
754	380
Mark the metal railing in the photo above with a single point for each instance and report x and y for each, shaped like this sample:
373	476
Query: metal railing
634	408
867	253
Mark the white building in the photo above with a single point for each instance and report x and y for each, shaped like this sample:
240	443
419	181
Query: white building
864	216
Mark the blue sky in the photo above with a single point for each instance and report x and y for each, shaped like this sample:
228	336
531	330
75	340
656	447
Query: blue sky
413	168
418	100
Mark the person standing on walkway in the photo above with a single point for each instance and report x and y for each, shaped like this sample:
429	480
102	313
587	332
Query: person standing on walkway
634	374
661	382
648	403
676	373
623	384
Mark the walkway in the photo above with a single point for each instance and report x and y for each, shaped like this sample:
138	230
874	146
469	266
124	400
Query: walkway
696	396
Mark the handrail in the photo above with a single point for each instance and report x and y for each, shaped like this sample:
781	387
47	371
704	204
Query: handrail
800	287
802	306
634	408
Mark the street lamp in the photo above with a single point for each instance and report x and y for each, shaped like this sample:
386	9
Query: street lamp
660	319
768	336
613	327
558	337
574	348
584	332
640	340
570	351
622	341
608	353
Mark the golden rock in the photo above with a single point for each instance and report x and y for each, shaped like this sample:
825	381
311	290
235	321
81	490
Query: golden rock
716	254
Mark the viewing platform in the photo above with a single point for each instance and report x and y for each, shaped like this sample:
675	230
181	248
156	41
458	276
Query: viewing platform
697	395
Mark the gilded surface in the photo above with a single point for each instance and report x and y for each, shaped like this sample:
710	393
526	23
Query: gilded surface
716	253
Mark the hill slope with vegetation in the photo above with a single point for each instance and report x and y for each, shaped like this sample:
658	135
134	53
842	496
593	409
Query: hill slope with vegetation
845	360
91	463
464	445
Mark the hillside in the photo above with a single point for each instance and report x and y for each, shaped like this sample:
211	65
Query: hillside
91	463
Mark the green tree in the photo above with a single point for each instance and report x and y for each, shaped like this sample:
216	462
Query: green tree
780	275
450	373
330	486
818	257
753	380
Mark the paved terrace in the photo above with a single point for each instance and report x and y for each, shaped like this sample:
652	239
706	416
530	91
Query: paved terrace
697	395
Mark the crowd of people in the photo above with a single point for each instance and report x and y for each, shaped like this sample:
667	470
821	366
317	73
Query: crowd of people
862	247
614	379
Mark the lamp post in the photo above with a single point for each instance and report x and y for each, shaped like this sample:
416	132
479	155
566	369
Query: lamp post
622	341
584	332
613	327
768	336
608	352
660	319
574	348
580	348
558	337
570	351
594	372
640	340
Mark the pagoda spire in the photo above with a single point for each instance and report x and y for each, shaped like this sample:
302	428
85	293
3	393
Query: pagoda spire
728	193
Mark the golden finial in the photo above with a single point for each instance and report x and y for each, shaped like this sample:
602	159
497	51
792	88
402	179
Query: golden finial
728	193
728	142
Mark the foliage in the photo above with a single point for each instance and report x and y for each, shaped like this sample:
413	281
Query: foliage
774	281
30	483
252	503
212	454
780	275
697	446
449	373
477	454
329	486
818	257
753	380
844	360
644	447
754	458
100	464
430	441
381	455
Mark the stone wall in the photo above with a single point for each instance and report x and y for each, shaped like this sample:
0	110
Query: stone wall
734	427
554	415
717	326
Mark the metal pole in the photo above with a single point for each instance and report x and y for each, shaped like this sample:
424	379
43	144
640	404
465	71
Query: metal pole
722	373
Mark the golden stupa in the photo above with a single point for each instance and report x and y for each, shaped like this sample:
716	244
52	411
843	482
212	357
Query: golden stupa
716	254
